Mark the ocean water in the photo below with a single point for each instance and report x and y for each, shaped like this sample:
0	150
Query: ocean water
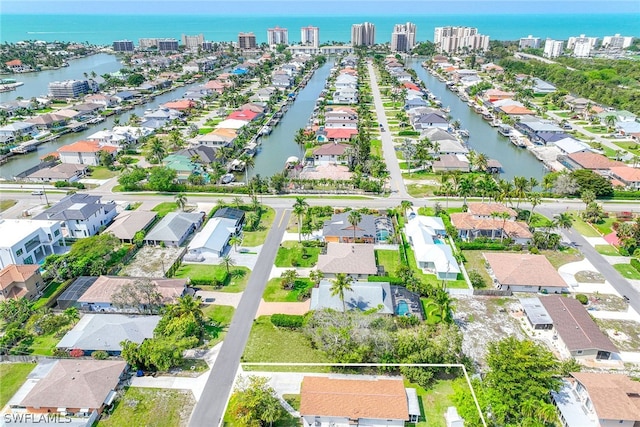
104	29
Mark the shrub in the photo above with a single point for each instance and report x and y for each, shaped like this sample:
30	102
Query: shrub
582	298
534	250
100	355
635	263
76	352
292	321
304	294
477	281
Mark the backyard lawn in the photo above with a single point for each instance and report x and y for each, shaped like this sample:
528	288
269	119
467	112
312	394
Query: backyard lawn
44	344
376	147
266	345
274	292
627	271
433	402
475	261
151	407
389	259
212	273
293	254
256	238
632	147
12	376
431	278
164	208
607	250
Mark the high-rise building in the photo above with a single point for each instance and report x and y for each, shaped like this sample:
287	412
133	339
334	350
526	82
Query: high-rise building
193	42
617	42
310	36
552	48
582	45
123	46
246	41
147	43
167	45
454	39
277	35
68	89
363	34
403	38
529	42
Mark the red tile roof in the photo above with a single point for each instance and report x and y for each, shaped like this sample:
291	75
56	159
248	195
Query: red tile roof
411	86
87	147
589	160
180	105
16	274
515	110
246	115
341	133
626	173
13	63
330	149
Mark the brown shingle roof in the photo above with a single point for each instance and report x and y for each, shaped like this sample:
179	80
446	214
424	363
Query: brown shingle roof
105	286
574	325
330	149
354	398
626	173
349	258
610	395
16	274
523	270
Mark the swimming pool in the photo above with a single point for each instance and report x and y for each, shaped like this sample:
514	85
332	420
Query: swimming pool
402	309
438	241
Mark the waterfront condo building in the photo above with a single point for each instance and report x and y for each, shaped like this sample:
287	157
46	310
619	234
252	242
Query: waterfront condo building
582	46
123	46
403	38
28	241
167	45
147	43
363	34
310	36
193	42
552	48
277	35
455	39
246	41
529	42
68	89
616	42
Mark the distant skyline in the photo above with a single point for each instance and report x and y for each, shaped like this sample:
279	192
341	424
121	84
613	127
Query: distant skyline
318	7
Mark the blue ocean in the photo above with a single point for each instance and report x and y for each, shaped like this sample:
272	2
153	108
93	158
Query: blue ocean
104	29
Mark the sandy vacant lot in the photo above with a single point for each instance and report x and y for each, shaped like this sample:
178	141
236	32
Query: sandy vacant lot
151	261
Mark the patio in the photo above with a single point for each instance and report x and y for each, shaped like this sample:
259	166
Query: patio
406	303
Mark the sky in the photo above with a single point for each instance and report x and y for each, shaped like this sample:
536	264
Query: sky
316	7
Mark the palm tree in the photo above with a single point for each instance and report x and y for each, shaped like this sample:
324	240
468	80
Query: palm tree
187	304
564	220
610	121
289	278
249	162
316	276
234	241
238	201
504	216
535	199
341	284
157	149
181	200
466	188
482	162
228	262
520	187
354	219
447	190
588	196
405	205
299	209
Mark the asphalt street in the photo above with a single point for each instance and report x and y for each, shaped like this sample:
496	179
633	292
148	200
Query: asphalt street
209	410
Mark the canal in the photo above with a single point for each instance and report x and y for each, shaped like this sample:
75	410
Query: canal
483	138
280	144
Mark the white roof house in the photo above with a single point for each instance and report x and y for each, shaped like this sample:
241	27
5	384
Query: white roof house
571	145
213	238
231	124
426	235
363	296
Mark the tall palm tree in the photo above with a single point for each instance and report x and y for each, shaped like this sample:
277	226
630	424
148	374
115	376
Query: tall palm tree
482	162
157	149
228	262
466	187
181	200
564	220
354	219
299	209
520	187
238	201
610	121
405	205
234	241
249	162
504	216
535	199
340	285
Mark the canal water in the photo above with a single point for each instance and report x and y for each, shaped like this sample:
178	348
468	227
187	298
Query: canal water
483	138
37	84
280	145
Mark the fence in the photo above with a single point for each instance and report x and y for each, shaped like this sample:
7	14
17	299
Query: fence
24	359
174	267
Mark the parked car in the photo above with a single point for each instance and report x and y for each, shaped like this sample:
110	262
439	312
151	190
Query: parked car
37	193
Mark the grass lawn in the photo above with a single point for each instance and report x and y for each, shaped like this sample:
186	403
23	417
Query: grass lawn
376	147
256	238
229	419
164	208
389	259
432	279
274	292
221	314
433	402
6	204
583	228
632	147
265	345
538	220
151	407
204	131
420	190
102	172
606	227
44	344
562	256
293	254
235	283
12	376
475	261
49	291
607	250
597	129
627	271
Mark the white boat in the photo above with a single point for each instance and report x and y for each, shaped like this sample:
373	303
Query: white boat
291	162
463	133
227	178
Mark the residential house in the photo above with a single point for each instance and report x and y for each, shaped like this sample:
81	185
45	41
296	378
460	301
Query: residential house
370	229
48	121
598	399
363	296
183	165
125	95
364	401
536	314
426	121
493	95
620	116
415	102
576	330
85	152
231	124
590	161
174	228
20	281
105	101
629	176
330	154
450	147
480	220
532	125
426	235
95	293
127	224
180	105
200	154
346	81
220	137
246	115
109	137
357	260
281	80
29	241
12	131
16	66
73	389
516	110
106	332
237	215
87	109
451	163
263	94
523	272
345	96
570	146
540	86
61	172
82	214
213	239
335	135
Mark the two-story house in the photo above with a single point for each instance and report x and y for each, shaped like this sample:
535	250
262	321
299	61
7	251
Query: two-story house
18	281
29	241
83	215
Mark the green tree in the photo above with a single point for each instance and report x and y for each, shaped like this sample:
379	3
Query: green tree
588	196
181	200
162	179
255	403
340	285
130	179
235	241
535	199
354	219
316	276
135	80
589	180
228	262
405	205
156	149
289	278
299	209
106	159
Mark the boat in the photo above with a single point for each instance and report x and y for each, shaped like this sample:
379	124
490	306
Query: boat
227	178
463	133
487	116
291	162
504	130
266	130
236	165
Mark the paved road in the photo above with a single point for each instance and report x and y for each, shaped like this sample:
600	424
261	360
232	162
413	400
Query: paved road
619	283
395	174
209	410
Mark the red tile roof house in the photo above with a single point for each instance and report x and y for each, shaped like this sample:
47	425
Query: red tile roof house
590	161
336	134
332	153
17	281
246	115
522	272
326	401
630	177
84	152
478	222
180	105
